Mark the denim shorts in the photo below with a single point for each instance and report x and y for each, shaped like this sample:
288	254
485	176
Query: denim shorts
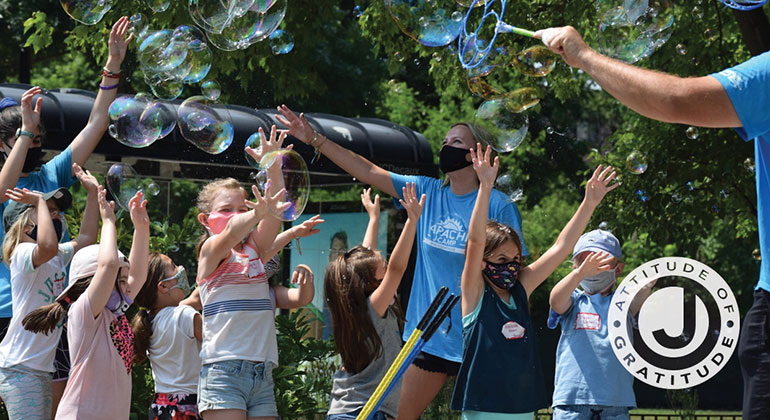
379	415
239	385
589	412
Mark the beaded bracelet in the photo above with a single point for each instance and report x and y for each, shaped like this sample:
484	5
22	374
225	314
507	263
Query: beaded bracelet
102	87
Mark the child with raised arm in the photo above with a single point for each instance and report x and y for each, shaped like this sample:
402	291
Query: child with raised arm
103	284
500	376
360	287
33	222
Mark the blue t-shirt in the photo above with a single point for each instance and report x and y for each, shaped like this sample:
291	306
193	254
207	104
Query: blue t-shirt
748	86
587	371
52	175
441	235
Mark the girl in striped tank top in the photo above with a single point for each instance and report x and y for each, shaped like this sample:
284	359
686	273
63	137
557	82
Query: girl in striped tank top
239	347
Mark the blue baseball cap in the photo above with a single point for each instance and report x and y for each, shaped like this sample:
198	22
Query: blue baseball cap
596	241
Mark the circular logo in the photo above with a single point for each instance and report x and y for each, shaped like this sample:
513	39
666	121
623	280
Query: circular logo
673	323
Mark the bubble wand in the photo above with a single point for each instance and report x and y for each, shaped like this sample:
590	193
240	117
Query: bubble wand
472	52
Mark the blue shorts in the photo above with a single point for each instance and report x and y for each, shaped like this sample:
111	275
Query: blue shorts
589	412
239	385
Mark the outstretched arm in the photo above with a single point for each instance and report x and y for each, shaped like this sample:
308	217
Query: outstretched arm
299	296
14	162
700	101
352	163
139	257
471	282
373	210
85	142
89	226
383	295
107	262
534	274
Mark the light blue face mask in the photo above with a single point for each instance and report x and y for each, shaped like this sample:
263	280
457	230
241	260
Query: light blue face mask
599	282
181	281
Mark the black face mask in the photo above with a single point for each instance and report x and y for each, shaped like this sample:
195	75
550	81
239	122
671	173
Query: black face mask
57	226
34	154
452	158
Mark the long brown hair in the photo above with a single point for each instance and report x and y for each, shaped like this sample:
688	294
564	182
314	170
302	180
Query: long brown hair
141	324
348	282
45	318
206	196
498	234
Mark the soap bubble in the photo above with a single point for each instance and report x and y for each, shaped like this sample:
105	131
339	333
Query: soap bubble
157	52
505	185
681	49
87	12
691	133
158	5
634	29
710	34
123	183
254	142
198	62
202	126
159	115
604	226
432	23
521	99
535	61
641	195
128	124
211	89
749	165
479	87
357	11
508	128
153	189
756	254
697	12
294	178
138	25
281	42
170	59
250	27
399	57
636	162
164	86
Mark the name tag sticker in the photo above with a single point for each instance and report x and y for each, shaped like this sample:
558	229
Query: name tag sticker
513	331
587	321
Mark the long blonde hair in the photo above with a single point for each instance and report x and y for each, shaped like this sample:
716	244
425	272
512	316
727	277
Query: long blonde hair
480	135
15	234
206	196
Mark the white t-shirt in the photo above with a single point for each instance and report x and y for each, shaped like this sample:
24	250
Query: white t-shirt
174	351
32	288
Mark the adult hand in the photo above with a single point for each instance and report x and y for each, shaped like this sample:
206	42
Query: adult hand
118	44
307	228
565	41
268	145
298	126
88	181
106	209
410	203
486	171
30	117
25	196
372	206
137	208
599	185
595	263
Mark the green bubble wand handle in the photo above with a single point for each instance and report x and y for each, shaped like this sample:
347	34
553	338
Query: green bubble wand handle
505	28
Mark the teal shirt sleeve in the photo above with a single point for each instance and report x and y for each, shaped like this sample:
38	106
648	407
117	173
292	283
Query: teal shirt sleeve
58	171
748	87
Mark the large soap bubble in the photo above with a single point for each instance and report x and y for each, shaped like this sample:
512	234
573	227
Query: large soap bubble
432	23
293	177
137	122
160	52
251	27
158	6
170	59
535	61
202	126
123	183
508	128
138	25
87	12
630	30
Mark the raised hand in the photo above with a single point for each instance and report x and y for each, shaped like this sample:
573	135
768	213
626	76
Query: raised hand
307	228
263	205
485	169
298	126
106	208
410	203
595	263
24	196
268	145
30	117
118	44
137	208
372	206
88	181
302	275
600	184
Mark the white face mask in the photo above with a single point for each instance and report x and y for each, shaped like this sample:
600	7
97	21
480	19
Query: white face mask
599	282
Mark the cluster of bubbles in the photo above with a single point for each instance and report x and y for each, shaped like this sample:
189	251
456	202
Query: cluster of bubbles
636	162
170	59
290	173
123	183
87	12
202	125
138	121
236	24
630	30
433	23
505	185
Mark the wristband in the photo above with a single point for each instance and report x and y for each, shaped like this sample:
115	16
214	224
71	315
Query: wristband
20	132
110	74
102	87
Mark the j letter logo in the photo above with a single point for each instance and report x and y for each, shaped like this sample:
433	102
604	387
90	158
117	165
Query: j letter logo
674	323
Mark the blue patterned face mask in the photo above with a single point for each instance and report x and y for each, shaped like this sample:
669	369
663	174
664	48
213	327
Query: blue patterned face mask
181	281
502	275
